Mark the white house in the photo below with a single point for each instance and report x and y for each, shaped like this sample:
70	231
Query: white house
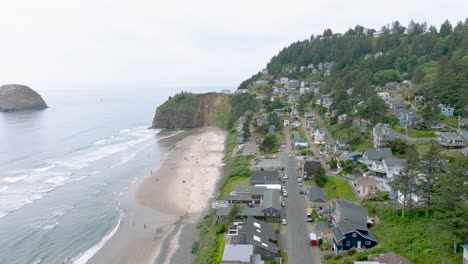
319	136
383	95
286	122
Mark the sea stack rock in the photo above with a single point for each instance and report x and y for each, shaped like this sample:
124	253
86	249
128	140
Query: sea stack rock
14	97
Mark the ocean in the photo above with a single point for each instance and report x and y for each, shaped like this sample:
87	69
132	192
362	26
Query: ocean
63	169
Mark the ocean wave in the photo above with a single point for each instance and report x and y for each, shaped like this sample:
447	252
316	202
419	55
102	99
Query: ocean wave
88	254
21	187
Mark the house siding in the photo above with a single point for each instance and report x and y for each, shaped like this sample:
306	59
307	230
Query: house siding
353	242
264	253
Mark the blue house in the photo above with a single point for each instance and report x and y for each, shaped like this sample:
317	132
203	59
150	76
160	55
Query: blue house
350	226
446	110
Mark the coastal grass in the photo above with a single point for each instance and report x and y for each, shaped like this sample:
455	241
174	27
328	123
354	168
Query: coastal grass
220	248
232	184
338	188
449	121
419	238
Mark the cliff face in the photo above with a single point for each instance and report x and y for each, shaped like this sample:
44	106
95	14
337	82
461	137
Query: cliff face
15	97
191	111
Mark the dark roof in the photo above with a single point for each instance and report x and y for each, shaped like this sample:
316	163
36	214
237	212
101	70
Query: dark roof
253	190
311	165
265	177
238	197
378	153
342	141
350	217
316	194
260	234
244	211
271	200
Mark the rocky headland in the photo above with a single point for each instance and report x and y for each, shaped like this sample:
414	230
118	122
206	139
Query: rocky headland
16	97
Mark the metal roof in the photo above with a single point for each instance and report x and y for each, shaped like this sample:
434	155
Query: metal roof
237	252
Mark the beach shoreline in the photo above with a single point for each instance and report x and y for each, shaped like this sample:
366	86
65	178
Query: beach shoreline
162	208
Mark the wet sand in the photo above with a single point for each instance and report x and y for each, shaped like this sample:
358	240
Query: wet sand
165	206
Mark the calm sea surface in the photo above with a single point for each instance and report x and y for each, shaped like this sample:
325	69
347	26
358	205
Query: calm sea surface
63	169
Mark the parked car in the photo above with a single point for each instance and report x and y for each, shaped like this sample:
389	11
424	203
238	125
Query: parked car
290	155
299	180
284	221
285	176
283	203
300	184
285	194
301	191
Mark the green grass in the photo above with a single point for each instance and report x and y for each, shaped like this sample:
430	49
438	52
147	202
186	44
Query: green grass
338	188
412	236
450	121
281	137
415	133
220	248
422	147
232	184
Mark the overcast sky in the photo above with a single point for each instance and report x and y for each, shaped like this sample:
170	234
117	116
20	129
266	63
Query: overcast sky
57	44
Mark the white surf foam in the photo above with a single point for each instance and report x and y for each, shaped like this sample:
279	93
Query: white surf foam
88	254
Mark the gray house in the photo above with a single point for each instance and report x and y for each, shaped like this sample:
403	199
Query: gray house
375	154
269	179
382	134
271	206
317	196
237	254
450	139
262	236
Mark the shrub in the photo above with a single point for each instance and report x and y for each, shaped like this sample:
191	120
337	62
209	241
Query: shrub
219	229
351	252
195	247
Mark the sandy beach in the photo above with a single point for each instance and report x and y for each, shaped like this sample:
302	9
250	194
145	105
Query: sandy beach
165	206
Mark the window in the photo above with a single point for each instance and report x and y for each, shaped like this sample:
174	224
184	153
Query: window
348	243
367	243
354	234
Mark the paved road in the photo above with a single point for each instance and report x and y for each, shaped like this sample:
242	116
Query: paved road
295	235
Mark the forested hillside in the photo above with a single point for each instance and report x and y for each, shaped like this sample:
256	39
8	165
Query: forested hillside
434	59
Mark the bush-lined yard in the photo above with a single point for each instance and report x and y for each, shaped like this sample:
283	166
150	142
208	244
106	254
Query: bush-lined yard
338	188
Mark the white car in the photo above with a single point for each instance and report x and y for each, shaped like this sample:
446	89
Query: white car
285	176
284	221
285	194
290	155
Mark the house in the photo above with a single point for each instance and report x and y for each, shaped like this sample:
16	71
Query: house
408	117
244	212
296	124
382	134
350	226
446	110
317	196
450	139
463	134
384	95
326	101
299	142
341	118
342	144
365	186
267	165
280	111
392	167
284	80
396	104
269	179
246	195
237	254
464	151
242	91
319	136
308	114
311	165
416	196
270	206
260	235
286	122
375	154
